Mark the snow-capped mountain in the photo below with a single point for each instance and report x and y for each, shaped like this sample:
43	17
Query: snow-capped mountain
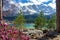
35	9
11	8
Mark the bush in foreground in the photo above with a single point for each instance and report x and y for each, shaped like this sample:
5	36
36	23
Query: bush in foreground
11	33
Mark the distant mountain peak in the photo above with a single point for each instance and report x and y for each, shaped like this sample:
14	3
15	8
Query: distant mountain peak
28	7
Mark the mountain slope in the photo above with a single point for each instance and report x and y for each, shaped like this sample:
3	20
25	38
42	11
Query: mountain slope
11	8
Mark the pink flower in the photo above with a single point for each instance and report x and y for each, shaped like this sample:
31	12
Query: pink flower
6	24
13	39
23	37
12	33
0	30
9	31
16	32
3	37
6	37
27	37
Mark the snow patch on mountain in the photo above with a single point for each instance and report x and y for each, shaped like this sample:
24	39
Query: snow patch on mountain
29	7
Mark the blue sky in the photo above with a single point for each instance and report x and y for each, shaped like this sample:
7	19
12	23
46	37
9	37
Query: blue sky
23	1
48	2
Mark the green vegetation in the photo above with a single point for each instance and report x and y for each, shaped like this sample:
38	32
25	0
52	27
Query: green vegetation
52	22
40	21
20	20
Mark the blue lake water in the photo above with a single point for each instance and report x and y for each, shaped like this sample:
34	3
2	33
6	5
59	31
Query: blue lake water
29	25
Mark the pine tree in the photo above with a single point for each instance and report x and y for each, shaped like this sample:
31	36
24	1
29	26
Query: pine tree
20	20
40	21
52	22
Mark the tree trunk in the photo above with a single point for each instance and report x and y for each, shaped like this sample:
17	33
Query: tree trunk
0	9
58	15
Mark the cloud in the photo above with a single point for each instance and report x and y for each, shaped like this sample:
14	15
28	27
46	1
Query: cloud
32	2
54	1
36	2
12	2
53	4
25	4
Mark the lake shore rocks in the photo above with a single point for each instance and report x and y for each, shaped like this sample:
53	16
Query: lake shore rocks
49	35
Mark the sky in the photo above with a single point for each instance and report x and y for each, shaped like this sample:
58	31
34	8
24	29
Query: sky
51	3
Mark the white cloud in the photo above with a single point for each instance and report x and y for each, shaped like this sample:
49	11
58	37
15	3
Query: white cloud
38	2
12	2
53	4
25	4
54	1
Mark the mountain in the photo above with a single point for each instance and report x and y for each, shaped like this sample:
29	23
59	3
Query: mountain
12	9
35	9
28	18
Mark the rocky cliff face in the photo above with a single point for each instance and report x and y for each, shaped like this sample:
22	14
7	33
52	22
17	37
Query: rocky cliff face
11	8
